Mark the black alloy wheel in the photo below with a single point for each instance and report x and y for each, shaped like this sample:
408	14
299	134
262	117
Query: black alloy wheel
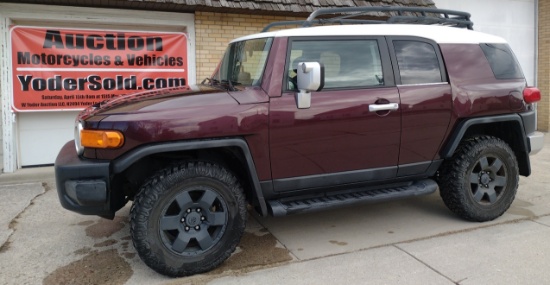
479	182
488	179
193	221
188	219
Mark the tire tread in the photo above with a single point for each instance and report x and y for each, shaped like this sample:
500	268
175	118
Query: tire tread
452	174
152	190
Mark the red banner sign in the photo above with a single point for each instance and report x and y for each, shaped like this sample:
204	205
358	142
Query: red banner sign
66	69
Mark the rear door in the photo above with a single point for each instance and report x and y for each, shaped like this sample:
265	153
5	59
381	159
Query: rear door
426	101
341	138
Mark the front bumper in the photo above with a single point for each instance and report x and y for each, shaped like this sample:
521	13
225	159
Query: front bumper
83	185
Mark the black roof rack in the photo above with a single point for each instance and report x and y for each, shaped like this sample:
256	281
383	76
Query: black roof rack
397	15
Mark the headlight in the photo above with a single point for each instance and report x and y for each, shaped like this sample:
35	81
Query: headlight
77	129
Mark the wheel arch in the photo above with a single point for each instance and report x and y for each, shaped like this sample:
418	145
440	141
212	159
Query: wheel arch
230	152
509	128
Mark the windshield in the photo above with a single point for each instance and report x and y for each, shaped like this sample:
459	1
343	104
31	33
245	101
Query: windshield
243	62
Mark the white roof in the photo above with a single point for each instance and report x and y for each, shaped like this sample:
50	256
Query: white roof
439	34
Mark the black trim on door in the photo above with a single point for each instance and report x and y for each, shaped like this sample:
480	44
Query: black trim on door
425	169
334	179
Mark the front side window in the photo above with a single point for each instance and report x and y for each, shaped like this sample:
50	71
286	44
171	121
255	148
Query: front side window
347	63
417	61
244	62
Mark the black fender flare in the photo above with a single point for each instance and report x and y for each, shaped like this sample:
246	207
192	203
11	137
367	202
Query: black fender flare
125	161
517	119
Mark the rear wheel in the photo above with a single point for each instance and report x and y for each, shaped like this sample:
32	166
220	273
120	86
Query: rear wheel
188	219
480	181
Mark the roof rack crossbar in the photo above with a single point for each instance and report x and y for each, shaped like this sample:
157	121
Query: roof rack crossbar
282	23
320	22
399	10
396	15
429	21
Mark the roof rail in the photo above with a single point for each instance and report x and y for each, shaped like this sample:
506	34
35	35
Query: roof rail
397	15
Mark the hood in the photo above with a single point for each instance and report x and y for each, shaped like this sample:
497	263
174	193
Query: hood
162	99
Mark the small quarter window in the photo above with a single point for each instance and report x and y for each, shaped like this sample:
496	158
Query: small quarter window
417	62
502	61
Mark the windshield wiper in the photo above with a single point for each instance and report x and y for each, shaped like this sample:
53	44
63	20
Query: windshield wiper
207	79
212	81
228	84
231	84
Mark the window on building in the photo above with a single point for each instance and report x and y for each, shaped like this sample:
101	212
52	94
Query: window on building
348	63
417	61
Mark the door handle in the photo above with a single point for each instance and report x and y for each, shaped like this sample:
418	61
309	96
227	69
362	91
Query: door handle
383	107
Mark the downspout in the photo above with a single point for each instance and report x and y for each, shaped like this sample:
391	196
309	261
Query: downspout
7	115
536	55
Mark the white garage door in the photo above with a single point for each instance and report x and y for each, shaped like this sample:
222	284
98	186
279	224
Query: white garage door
513	20
42	134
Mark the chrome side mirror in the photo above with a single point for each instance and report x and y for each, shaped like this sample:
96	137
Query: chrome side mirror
311	77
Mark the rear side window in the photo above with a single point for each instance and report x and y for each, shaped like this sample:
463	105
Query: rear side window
502	61
348	63
417	61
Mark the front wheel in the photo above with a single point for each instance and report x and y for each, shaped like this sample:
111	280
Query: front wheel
480	181
188	219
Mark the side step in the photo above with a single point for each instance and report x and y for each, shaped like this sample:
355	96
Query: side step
285	206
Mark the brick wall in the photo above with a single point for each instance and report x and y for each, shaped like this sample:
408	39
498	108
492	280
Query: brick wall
215	30
543	76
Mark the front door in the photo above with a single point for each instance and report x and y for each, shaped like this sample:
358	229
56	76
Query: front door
351	132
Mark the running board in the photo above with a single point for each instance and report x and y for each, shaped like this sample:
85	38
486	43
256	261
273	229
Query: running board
288	206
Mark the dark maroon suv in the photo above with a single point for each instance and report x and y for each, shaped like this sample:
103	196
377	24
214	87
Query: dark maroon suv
305	119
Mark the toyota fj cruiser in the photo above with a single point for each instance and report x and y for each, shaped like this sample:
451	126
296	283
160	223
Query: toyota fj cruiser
304	119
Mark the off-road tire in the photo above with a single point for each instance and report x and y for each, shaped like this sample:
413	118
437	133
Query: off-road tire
480	181
209	234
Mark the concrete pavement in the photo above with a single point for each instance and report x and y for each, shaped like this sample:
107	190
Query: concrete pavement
512	253
414	241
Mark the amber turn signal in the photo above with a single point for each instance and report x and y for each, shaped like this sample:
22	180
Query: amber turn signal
101	139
